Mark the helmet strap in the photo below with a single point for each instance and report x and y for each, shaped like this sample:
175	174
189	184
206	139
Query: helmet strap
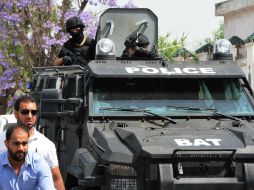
82	43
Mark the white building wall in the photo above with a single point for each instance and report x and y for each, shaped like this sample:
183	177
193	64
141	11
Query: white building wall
250	63
239	21
239	24
238	17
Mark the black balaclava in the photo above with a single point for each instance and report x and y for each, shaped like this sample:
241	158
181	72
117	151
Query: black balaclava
78	36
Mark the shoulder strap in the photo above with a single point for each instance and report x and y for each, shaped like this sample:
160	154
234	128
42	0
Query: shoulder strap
88	41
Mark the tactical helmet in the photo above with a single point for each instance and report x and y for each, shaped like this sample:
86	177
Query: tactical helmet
139	40
74	22
142	41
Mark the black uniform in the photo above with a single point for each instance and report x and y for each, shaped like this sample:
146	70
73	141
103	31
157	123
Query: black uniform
138	44
80	55
71	52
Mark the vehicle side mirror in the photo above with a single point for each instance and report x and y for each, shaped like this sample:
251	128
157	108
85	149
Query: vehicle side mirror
50	105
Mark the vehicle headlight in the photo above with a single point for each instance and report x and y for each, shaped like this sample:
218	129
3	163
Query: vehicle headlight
222	46
222	50
105	47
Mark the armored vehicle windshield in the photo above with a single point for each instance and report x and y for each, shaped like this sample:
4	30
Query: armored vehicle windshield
157	95
165	90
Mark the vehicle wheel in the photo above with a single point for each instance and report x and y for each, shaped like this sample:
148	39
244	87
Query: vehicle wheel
71	182
166	177
249	176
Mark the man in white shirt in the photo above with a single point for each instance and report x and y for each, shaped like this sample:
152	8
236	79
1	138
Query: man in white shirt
25	111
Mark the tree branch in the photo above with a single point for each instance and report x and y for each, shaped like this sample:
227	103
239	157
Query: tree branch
82	6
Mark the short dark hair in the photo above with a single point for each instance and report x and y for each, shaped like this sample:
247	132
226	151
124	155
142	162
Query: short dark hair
10	130
21	99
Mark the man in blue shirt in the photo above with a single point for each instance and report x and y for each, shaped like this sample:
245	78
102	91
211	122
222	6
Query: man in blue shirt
20	170
25	111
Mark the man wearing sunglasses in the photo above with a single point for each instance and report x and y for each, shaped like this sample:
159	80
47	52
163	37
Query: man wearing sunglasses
25	111
20	169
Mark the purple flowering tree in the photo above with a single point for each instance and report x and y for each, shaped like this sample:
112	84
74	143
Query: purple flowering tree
31	34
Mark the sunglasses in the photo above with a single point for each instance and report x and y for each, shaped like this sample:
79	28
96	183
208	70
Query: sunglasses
26	112
24	143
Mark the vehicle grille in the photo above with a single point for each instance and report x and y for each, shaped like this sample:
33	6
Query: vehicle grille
121	178
122	184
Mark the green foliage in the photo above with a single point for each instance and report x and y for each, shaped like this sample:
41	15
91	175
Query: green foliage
216	35
219	32
172	48
168	48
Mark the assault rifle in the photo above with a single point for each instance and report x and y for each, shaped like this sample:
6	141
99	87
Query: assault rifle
76	58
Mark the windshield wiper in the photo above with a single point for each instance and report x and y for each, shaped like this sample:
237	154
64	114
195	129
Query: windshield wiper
139	110
225	115
192	108
209	110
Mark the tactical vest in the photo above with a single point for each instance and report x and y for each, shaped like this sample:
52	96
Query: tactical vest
83	51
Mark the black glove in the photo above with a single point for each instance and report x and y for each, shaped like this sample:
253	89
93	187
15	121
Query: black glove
142	52
67	60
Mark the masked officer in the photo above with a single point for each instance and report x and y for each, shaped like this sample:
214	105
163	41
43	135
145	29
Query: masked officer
136	47
78	49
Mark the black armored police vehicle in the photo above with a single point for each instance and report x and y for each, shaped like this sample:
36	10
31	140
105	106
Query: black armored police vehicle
148	124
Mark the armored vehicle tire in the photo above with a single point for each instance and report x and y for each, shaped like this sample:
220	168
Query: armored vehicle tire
73	184
249	175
